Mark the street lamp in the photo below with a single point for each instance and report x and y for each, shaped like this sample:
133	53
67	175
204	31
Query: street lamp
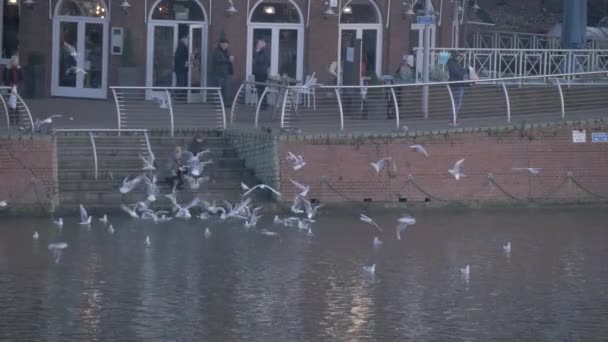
125	6
329	11
231	10
29	3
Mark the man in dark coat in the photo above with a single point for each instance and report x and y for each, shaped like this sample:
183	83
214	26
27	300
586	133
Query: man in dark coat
261	63
180	62
456	73
222	70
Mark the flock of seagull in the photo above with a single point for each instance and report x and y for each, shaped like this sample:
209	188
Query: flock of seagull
304	211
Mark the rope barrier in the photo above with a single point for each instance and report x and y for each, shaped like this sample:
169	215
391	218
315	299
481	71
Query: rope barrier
410	180
493	181
324	181
584	188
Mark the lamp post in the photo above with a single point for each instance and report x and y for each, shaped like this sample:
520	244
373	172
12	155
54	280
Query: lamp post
426	61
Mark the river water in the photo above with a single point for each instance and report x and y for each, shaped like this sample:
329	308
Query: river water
242	286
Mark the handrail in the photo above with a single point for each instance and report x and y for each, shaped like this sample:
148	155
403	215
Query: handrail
8	120
94	154
171	118
142	130
234	101
464	50
396	107
561	98
27	110
341	109
504	89
283	108
164	88
453	104
223	109
259	105
118	112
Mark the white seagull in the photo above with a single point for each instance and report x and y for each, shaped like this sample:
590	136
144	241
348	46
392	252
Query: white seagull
531	170
466	271
370	269
129	185
507	248
46	121
128	210
182	212
207	233
162	101
262	186
104	219
456	171
311	210
404	222
35	236
111	229
303	188
377	242
58	222
297	161
151	188
420	149
75	70
148	243
85	219
148	160
56	249
368	220
3	204
379	164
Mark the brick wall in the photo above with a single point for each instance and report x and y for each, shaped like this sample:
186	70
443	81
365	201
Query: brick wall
259	150
28	173
344	162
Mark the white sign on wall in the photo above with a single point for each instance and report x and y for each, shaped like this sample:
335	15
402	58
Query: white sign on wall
579	136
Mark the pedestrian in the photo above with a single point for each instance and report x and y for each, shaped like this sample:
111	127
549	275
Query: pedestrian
456	74
13	77
197	144
180	65
176	168
222	69
261	63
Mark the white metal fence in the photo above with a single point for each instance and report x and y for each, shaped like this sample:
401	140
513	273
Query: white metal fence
172	108
99	151
381	108
20	115
502	63
521	40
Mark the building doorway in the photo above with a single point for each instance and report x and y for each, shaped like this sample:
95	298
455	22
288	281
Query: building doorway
168	23
280	24
361	19
80	49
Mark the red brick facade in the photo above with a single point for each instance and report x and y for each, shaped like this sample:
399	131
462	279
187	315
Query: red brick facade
27	173
320	35
345	164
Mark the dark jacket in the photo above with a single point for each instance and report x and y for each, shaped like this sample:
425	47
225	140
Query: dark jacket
222	66
180	59
456	72
196	147
261	63
12	77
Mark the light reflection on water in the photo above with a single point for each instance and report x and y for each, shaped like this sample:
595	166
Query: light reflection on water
238	285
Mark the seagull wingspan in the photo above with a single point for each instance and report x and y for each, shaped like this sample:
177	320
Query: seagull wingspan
83	214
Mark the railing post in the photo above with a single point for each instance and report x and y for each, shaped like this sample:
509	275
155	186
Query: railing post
453	104
337	91
8	120
236	97
396	107
27	110
561	98
504	89
118	113
170	103
94	154
219	91
283	107
148	146
257	108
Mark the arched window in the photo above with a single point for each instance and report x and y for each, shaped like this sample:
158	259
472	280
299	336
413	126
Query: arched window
82	8
178	10
359	12
275	12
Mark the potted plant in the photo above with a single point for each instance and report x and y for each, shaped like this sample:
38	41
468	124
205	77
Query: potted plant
34	72
127	72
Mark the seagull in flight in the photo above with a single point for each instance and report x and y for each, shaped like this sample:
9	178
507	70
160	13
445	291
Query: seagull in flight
379	164
75	70
368	220
261	186
207	233
128	210
507	248
111	229
404	222
303	188
71	50
531	170
104	219
39	123
3	204
85	219
182	212
57	248
297	161
58	222
377	242
148	243
162	101
35	236
466	271
129	185
148	162
456	170
420	149
370	269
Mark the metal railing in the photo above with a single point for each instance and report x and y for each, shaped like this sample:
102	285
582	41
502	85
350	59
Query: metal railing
169	107
106	154
21	113
381	108
501	63
521	40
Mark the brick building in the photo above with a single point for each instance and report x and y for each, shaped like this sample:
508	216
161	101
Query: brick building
304	36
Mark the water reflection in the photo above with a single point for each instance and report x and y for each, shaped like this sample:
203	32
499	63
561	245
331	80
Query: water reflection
239	285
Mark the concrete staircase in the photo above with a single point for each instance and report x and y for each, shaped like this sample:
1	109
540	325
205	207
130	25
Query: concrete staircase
118	158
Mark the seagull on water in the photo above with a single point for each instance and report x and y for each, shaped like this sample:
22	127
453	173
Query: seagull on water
507	248
456	170
379	164
262	186
420	149
58	222
370	269
466	271
129	185
35	236
297	161
57	248
302	188
3	204
148	243
85	219
377	242
531	170
207	233
111	229
311	210
104	219
182	212
368	220
404	222
267	232
151	188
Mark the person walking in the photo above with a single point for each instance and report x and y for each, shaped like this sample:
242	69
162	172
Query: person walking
13	77
181	61
222	70
261	63
456	73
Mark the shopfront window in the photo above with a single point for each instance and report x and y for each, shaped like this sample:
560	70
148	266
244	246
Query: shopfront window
83	8
178	10
10	29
